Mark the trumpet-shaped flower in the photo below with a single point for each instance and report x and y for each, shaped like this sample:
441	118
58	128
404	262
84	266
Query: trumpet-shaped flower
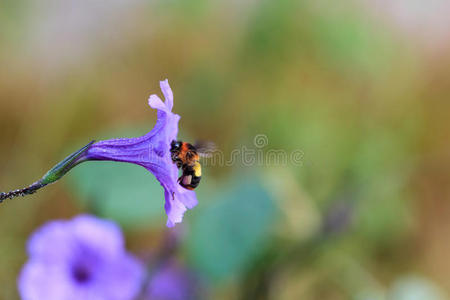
152	151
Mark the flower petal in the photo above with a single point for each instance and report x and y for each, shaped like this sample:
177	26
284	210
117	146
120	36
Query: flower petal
188	198
155	102
167	92
39	280
174	209
100	235
53	233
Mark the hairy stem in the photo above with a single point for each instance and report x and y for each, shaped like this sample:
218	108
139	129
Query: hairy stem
51	176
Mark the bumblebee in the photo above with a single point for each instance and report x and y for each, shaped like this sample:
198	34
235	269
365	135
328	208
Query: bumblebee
186	157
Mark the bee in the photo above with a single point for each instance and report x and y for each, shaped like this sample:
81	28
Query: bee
186	156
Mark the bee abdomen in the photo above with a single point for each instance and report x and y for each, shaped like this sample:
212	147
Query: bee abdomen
195	181
191	176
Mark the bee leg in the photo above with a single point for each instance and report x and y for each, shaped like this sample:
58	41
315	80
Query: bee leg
174	156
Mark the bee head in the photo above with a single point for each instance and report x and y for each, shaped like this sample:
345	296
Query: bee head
175	145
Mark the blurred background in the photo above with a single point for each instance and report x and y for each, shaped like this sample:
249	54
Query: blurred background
360	88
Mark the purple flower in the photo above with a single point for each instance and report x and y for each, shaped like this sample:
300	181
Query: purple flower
83	258
152	151
172	282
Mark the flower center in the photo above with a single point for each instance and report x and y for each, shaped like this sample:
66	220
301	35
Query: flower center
81	274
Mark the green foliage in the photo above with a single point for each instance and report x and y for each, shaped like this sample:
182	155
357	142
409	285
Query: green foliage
123	192
349	42
226	235
381	168
329	80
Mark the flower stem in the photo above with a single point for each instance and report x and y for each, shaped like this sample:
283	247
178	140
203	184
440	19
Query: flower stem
51	176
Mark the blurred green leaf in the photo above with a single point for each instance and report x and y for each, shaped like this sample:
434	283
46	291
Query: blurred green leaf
123	192
227	234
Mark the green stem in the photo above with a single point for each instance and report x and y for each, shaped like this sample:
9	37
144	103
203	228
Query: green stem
51	176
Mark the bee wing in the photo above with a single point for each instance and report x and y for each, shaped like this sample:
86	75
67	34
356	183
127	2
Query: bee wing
205	148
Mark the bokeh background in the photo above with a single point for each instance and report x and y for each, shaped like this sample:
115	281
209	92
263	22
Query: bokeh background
360	87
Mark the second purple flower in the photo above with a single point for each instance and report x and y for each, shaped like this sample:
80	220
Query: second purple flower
82	258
